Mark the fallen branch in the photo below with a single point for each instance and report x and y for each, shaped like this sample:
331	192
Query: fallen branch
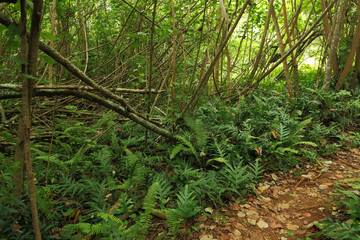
101	101
74	87
125	109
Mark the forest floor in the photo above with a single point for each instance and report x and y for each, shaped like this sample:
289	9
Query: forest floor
285	207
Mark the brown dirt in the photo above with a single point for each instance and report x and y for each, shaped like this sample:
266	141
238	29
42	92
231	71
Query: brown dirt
286	205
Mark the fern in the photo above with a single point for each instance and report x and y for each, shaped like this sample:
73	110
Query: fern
235	178
173	221
150	202
177	149
164	191
208	187
283	132
229	130
187	205
44	202
257	170
201	135
110	227
141	227
185	146
54	158
70	229
77	158
299	128
220	149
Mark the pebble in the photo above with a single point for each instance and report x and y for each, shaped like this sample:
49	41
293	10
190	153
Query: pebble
292	227
241	214
323	187
262	224
252	221
207	237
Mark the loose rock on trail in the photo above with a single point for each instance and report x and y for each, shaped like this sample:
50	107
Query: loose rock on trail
285	207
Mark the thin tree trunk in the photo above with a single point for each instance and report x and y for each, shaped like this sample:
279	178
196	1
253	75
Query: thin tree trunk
172	96
228	67
356	72
149	82
300	41
321	67
28	84
19	150
353	50
293	58
282	52
335	38
53	33
263	38
206	76
326	21
242	39
217	63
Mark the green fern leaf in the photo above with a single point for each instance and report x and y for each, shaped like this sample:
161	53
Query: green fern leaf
176	150
218	159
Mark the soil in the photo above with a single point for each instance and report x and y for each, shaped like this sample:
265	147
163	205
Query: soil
285	207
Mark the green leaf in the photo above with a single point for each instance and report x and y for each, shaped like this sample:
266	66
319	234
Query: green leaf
307	143
17	59
8	137
13	30
176	150
68	212
46	58
30	76
218	159
47	36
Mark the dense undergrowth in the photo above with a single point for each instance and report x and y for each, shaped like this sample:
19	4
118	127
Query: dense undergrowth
102	179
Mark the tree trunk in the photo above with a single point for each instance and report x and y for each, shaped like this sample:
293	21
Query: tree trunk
53	33
356	72
335	38
19	149
206	76
300	41
23	148
263	38
353	50
293	56
282	52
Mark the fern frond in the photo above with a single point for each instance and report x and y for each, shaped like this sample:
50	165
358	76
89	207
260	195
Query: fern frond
201	135
235	177
70	229
53	158
174	221
301	126
256	169
150	198
44	203
283	132
77	158
185	146
187	205
178	148
141	227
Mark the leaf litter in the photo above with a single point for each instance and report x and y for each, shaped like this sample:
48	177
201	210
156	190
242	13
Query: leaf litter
286	206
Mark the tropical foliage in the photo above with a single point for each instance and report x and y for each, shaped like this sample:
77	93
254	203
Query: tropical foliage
115	114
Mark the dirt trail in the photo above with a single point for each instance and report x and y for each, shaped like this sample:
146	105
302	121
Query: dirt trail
286	205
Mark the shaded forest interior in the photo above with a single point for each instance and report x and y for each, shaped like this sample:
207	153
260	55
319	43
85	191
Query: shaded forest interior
115	115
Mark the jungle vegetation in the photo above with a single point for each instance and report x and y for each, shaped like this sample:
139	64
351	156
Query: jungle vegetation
116	112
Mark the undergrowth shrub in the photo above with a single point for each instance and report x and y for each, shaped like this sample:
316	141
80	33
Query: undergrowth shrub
101	178
348	228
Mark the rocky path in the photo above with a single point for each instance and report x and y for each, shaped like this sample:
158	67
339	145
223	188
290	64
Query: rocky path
286	206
